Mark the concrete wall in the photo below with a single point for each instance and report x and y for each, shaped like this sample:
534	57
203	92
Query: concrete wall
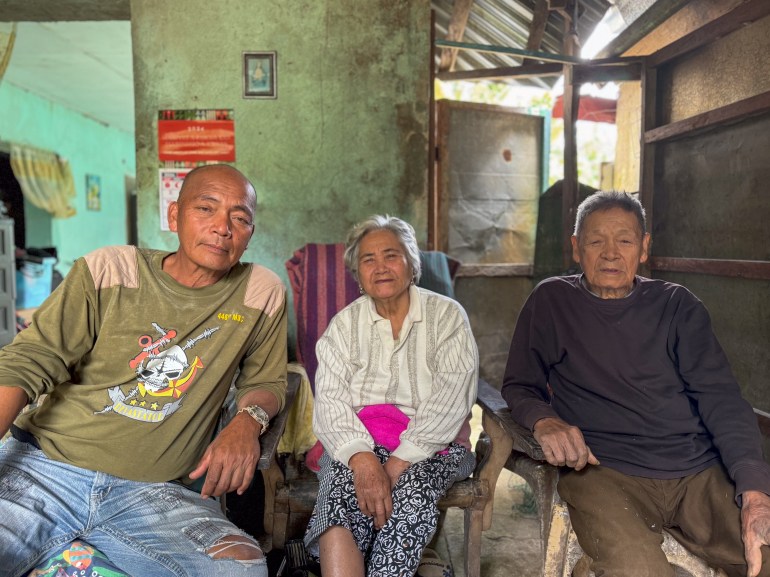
493	306
91	148
347	135
628	145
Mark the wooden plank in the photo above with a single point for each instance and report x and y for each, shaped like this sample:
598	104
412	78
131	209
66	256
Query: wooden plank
523	71
728	114
748	269
599	73
647	151
740	16
535	55
763	420
269	441
570	188
494	407
494	270
537	26
455	31
432	164
441	204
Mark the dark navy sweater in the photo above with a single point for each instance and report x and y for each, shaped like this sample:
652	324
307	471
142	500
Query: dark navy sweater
643	377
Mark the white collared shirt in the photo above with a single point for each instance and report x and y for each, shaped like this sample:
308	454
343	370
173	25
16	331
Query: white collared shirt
430	373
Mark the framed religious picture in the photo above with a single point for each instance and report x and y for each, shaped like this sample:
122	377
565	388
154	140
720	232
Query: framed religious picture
259	75
93	192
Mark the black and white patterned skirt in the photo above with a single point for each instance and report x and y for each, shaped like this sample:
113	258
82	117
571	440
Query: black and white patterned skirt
396	549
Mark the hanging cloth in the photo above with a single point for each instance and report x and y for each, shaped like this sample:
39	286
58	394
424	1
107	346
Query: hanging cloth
7	38
45	179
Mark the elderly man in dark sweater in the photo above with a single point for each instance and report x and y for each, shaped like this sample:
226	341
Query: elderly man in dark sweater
623	382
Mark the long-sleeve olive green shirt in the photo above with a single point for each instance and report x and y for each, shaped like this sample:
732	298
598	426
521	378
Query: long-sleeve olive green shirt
136	366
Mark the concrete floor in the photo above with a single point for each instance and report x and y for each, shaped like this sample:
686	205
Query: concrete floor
512	546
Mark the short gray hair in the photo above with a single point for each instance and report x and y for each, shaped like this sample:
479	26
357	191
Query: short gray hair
404	233
606	200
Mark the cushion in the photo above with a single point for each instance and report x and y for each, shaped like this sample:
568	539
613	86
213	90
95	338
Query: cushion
77	559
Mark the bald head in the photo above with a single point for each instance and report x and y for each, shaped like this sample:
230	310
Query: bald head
213	174
214	220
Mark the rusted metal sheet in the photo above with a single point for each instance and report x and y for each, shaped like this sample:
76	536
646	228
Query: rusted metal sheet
509	23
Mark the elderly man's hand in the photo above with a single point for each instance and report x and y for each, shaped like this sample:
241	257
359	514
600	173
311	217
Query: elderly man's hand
755	522
563	444
372	486
231	459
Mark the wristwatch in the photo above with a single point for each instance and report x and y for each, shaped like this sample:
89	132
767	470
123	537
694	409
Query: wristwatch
258	414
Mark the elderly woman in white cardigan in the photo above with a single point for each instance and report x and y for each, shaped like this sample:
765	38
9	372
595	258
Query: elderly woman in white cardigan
396	381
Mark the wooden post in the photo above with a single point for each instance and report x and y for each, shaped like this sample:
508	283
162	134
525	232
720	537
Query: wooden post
647	149
570	189
432	189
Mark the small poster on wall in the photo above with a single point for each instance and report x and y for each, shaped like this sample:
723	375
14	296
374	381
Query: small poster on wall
170	184
93	192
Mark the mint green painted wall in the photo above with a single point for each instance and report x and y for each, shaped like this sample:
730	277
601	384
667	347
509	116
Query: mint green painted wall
91	148
347	135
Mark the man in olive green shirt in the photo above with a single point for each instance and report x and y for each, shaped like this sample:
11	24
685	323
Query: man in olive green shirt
135	352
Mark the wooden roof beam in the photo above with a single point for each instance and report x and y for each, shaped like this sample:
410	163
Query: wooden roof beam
537	26
523	71
455	32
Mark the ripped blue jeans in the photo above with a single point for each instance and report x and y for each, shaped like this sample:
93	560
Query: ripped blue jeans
145	529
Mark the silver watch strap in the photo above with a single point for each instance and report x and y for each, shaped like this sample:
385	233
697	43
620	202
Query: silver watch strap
258	414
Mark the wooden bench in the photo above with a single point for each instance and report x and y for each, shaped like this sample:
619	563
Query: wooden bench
562	555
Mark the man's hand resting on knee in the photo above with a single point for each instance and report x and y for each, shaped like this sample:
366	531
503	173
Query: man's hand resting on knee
563	444
755	523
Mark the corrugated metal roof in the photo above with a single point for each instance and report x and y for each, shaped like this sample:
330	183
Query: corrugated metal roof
507	23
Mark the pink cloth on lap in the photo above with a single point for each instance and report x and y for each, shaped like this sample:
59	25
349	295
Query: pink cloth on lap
385	424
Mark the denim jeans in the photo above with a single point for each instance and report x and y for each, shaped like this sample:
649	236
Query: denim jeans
145	529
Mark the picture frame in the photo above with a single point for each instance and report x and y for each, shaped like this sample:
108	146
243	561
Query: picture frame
259	75
93	192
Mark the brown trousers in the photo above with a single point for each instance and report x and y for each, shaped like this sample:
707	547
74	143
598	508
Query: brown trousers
618	520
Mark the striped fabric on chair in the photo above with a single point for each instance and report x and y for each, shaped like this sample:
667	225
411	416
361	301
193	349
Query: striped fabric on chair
321	286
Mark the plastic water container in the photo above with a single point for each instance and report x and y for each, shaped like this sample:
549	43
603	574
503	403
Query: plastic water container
33	282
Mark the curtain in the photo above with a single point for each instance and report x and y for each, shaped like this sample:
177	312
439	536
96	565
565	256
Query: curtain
7	38
45	179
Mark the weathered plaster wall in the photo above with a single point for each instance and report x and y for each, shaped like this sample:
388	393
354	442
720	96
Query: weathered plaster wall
493	305
718	74
712	199
690	17
90	148
347	135
628	145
